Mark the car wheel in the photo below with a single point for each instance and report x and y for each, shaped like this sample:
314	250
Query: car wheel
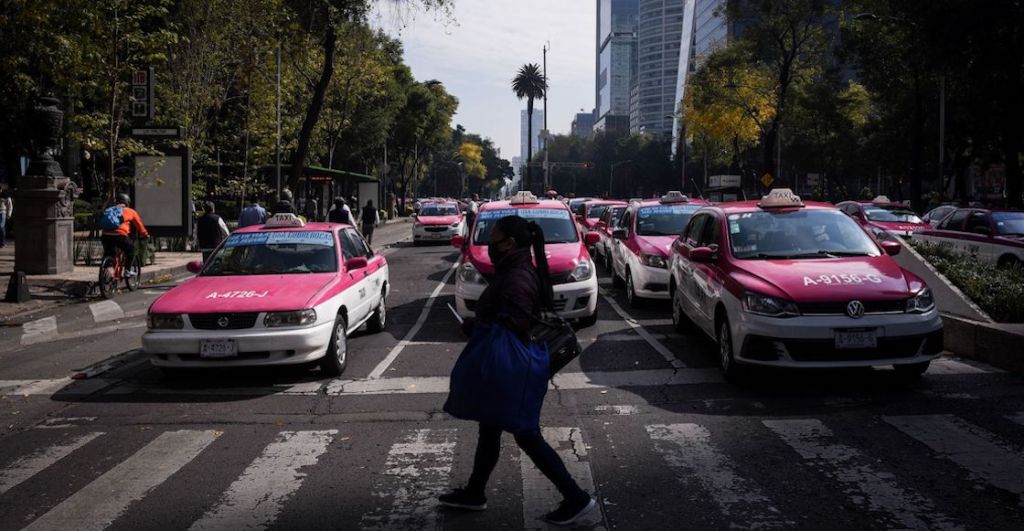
634	300
680	321
379	319
726	360
588	321
334	362
912	371
1008	262
608	262
617	281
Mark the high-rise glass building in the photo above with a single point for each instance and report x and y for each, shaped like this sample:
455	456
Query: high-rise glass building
538	125
659	38
616	58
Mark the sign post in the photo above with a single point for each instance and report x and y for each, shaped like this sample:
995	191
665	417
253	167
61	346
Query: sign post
142	94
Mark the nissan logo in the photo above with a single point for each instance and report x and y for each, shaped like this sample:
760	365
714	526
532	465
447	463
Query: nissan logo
855	309
223	322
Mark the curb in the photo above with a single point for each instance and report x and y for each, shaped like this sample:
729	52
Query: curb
86	288
983	342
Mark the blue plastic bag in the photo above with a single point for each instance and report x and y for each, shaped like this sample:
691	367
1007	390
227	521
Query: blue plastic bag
499	380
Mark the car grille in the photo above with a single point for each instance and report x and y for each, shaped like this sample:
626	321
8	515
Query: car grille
437	229
839	308
560	278
559	304
212	321
768	349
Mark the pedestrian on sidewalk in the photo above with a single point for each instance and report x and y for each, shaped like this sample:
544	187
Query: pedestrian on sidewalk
512	301
284	204
252	214
313	210
211	230
369	218
6	209
341	213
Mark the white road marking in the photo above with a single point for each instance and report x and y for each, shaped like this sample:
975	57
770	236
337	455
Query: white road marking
38	330
78	334
256	498
864	485
106	311
101	502
951	366
64	422
540	495
32	464
618	410
978	451
650	339
382	367
688	450
66	386
415	474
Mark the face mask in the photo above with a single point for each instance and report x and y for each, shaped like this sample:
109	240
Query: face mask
494	253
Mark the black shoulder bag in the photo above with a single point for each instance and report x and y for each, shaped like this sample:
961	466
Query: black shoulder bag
558	334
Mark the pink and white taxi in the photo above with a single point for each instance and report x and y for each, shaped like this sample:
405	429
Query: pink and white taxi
883	217
437	222
284	293
992	236
573	273
641	243
785	283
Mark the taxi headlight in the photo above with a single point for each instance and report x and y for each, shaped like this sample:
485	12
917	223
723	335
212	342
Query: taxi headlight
165	321
296	318
923	302
770	306
654	260
455	225
583	271
470	275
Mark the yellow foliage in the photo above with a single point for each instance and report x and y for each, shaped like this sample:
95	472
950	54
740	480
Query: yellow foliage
472	156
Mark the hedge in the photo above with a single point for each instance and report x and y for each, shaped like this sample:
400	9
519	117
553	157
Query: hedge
998	291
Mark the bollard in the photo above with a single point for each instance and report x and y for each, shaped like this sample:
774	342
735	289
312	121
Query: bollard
17	288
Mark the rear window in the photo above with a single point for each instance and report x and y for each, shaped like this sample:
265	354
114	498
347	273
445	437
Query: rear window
886	215
663	220
1009	223
439	210
597	211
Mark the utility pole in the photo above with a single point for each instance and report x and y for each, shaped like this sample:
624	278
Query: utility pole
277	147
942	134
544	133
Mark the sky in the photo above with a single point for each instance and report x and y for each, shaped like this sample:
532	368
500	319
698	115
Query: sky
477	54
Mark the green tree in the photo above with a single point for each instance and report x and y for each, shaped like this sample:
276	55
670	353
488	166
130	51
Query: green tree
530	84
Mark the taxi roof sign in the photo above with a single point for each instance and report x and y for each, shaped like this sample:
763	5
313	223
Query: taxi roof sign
780	198
524	197
881	200
283	220
675	196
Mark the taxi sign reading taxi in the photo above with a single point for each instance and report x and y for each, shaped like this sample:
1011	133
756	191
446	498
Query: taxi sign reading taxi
767	180
284	220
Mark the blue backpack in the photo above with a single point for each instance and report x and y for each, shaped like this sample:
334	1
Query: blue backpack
112	218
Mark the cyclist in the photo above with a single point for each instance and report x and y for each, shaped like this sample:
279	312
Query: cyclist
117	221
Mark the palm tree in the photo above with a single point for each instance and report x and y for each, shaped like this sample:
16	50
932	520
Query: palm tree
531	84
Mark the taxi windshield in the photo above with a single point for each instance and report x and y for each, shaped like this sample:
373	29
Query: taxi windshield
663	220
557	224
793	234
1009	223
274	253
892	216
439	210
597	212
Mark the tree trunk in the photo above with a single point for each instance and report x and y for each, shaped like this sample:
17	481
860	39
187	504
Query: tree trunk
313	111
917	147
529	146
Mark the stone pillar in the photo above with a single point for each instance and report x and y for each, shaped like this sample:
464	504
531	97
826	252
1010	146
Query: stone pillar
44	200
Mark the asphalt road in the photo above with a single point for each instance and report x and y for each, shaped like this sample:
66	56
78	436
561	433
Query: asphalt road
641	418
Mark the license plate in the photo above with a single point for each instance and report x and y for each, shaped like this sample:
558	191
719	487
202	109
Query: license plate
218	348
854	339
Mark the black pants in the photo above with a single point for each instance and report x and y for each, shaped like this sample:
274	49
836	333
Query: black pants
118	241
368	233
488	450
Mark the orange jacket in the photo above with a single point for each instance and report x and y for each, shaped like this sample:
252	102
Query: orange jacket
130	218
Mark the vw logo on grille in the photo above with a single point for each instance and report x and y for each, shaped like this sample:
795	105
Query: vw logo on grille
855	309
223	322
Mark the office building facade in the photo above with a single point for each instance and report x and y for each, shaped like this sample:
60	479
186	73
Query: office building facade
659	41
538	126
616	56
583	125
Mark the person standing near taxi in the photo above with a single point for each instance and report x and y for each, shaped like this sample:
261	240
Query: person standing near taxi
252	214
211	230
369	218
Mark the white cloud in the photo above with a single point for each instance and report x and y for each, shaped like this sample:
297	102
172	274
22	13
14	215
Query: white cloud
477	55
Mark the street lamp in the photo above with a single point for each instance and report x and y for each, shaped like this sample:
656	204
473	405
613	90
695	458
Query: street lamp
611	174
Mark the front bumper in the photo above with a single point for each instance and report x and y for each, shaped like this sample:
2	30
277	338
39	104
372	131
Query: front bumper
256	346
574	300
650	282
421	233
809	341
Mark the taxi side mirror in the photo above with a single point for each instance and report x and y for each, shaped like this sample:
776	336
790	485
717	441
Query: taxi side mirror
194	266
358	262
458	241
702	255
591	238
619	234
891	248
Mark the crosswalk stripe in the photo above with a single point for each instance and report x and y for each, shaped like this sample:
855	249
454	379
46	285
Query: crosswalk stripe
978	451
687	448
32	464
65	386
951	366
540	495
415	473
255	499
106	311
101	502
874	489
38	330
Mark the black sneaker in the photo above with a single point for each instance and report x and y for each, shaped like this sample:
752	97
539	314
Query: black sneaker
570	511
463	499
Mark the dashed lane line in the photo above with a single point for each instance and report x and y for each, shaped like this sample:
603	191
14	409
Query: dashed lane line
104	311
671	358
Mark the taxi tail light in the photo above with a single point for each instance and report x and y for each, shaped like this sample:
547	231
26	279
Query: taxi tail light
296	318
769	306
923	302
165	321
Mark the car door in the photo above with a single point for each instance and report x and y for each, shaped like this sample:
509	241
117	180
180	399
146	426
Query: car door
707	277
376	268
979	238
357	294
689	240
619	257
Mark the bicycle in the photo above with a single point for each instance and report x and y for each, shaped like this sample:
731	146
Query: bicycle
112	271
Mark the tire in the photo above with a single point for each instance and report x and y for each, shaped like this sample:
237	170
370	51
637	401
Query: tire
587	322
334	362
1008	262
726	358
608	263
634	300
134	281
107	284
617	281
912	371
379	319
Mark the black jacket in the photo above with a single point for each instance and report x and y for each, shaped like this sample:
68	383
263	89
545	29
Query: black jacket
208	231
339	215
512	298
284	207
